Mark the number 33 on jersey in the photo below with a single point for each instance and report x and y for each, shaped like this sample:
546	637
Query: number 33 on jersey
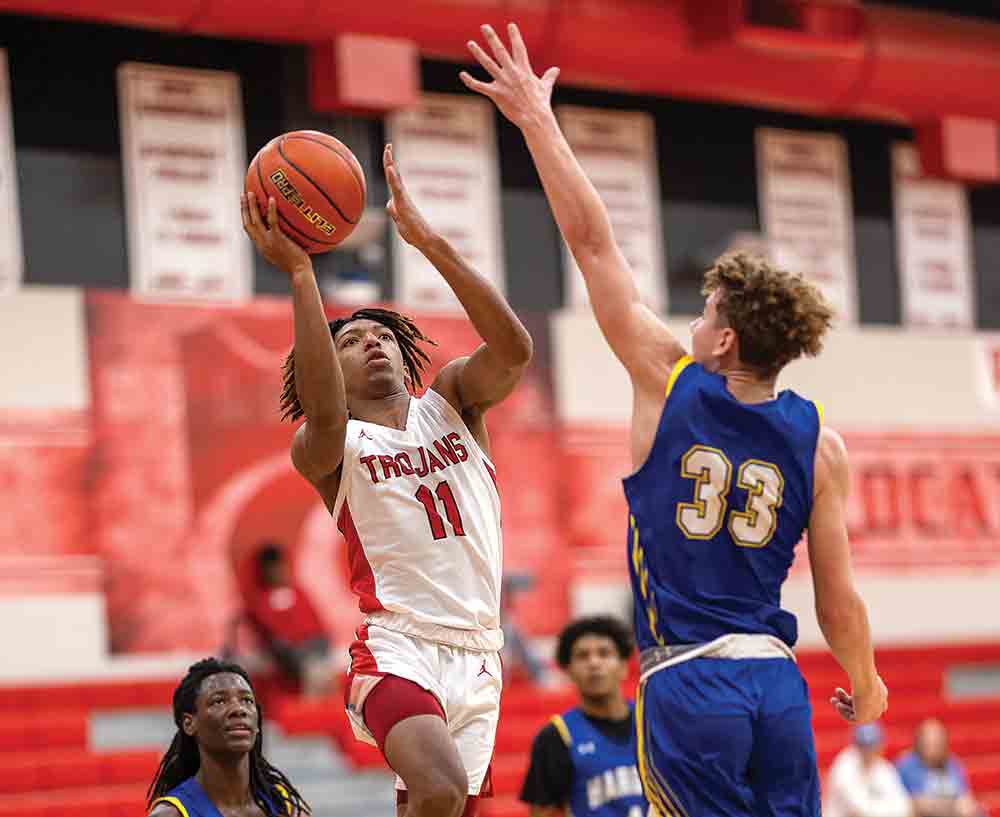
712	473
717	510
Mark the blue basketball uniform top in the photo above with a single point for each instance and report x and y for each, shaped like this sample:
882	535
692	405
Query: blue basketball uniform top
605	778
190	800
716	511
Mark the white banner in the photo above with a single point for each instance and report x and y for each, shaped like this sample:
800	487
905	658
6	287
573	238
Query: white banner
933	244
184	160
11	257
617	150
805	209
446	149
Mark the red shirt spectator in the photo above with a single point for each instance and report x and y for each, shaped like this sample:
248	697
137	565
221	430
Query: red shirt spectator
287	623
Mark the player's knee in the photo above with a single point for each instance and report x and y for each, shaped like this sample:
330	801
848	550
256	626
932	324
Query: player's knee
444	796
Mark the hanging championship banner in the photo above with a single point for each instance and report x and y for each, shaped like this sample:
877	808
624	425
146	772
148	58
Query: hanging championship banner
11	257
617	150
184	160
806	213
446	149
933	244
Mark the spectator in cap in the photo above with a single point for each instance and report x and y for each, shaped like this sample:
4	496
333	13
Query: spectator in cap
934	777
862	783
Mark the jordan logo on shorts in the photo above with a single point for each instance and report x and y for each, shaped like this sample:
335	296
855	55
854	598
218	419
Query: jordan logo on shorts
363	435
484	671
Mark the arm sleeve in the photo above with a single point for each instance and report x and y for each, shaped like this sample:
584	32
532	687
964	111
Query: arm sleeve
550	774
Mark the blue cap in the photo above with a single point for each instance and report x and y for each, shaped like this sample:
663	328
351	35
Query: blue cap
868	735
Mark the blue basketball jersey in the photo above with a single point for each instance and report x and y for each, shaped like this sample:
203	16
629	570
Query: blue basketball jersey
190	800
605	777
717	510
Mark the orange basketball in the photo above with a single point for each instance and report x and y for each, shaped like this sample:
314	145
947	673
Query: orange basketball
317	183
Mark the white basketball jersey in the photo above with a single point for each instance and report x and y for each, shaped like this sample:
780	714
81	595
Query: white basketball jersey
420	512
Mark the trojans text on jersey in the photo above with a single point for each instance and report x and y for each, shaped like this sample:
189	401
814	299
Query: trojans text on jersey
449	451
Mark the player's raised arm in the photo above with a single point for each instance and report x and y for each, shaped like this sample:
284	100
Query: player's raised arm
318	384
486	377
636	335
840	610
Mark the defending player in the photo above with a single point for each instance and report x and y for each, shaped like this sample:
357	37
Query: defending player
411	485
583	762
215	763
728	475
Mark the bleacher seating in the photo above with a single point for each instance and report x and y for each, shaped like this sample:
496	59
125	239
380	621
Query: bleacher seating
46	765
49	768
916	680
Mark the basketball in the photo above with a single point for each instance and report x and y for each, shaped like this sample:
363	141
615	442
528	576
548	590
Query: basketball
317	183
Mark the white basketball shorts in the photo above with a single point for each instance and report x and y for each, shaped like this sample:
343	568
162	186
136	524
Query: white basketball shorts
467	684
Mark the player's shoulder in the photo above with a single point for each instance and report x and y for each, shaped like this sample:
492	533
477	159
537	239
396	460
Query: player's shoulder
164	808
554	733
441	405
445	385
830	447
684	368
830	468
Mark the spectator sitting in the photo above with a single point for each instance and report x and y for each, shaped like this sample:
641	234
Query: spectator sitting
862	783
934	777
286	622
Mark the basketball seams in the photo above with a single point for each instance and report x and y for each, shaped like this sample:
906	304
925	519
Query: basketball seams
281	216
351	160
308	178
292	165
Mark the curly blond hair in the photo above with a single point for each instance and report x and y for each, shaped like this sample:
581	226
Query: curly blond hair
778	316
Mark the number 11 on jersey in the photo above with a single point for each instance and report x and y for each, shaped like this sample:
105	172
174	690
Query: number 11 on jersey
444	493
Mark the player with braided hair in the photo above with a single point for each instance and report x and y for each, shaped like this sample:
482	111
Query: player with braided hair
408	337
216	759
411	483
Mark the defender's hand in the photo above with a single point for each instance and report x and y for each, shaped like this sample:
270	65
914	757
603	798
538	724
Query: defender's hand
276	247
520	95
410	224
864	704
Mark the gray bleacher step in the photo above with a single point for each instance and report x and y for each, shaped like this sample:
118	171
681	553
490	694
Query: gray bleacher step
132	729
154	729
331	786
359	810
305	756
971	681
361	793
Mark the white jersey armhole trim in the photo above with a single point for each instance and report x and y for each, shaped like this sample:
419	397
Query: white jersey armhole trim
346	467
449	411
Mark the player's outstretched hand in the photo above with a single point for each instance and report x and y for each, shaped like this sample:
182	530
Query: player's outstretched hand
520	95
276	247
864	705
401	209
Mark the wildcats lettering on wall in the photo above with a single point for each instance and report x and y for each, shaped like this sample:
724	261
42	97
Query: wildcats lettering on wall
925	500
917	500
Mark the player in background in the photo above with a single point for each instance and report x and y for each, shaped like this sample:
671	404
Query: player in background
728	475
215	763
410	482
583	761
